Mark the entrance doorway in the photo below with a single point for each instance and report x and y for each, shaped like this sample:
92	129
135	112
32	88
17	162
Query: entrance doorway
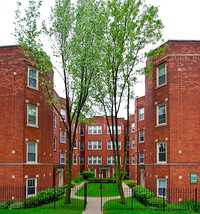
142	177
60	177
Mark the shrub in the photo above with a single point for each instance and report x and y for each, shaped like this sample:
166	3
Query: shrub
17	205
6	204
142	194
78	178
87	174
31	202
73	183
156	202
131	183
103	180
121	173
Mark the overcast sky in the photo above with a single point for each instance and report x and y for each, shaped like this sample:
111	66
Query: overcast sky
180	18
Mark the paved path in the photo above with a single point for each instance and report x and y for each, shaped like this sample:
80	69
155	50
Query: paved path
94	203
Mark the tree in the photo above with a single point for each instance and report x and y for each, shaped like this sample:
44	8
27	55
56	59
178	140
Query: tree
77	37
132	26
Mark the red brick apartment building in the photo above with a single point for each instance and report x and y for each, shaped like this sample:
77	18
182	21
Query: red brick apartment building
163	137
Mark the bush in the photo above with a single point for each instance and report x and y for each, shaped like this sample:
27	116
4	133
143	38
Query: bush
31	202
103	180
131	183
156	202
121	173
78	178
17	205
73	184
142	194
6	204
87	174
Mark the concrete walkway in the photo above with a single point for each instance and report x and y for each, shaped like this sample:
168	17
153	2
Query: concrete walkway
94	203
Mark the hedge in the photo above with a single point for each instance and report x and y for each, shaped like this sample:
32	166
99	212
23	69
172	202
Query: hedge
142	194
103	180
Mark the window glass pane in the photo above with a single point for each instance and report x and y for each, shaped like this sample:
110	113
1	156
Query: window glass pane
162	114
99	129
94	129
109	145
133	127
161	75
90	144
32	78
133	143
94	144
32	115
99	144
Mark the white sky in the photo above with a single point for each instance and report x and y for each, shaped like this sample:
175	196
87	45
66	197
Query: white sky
180	18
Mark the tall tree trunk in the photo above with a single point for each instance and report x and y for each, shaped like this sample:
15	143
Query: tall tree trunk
119	186
69	175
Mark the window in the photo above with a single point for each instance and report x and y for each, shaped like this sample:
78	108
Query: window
63	114
94	159
110	160
82	131
75	144
127	160
110	145
62	137
127	145
95	145
114	128
54	144
81	145
161	152
141	154
161	114
55	120
32	115
75	159
133	127
32	78
161	75
141	114
31	187
141	136
62	157
31	152
133	144
162	187
94	129
82	160
133	159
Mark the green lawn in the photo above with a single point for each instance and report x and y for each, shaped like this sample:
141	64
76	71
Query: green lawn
40	211
144	212
93	190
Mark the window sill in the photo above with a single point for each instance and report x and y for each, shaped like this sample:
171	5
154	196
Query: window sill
63	142
161	125
36	89
30	163
160	86
95	149
141	141
161	163
32	126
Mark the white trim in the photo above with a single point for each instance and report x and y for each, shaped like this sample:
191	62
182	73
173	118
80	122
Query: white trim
157	76
55	143
64	136
161	162
91	128
80	145
157	114
36	153
97	159
141	114
93	142
64	157
28	196
32	125
143	157
119	143
143	136
161	179
62	114
35	88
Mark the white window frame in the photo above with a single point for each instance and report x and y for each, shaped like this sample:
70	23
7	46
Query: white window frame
140	114
29	124
55	121
161	179
140	136
159	152
82	161
94	130
61	115
118	128
119	144
133	159
157	75
62	157
28	83
127	160
93	144
112	160
133	127
161	104
82	131
98	160
36	153
75	160
61	131
54	144
82	149
140	158
75	145
32	195
133	147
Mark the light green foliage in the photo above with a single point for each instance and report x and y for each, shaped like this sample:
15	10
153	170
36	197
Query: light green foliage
142	194
131	183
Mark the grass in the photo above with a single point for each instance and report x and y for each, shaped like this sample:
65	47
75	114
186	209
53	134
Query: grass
144	212
115	204
40	211
93	190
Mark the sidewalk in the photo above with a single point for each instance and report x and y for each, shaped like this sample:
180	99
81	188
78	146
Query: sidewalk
94	203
